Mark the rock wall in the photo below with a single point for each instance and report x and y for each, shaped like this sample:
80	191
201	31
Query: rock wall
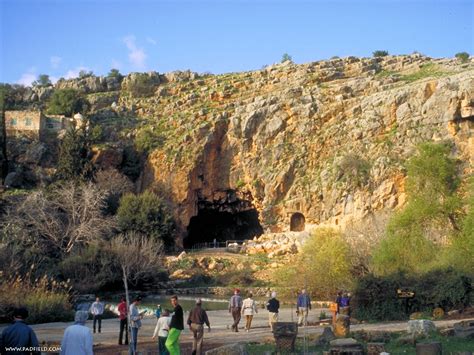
326	139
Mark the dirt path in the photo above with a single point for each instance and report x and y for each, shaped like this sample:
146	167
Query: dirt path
106	342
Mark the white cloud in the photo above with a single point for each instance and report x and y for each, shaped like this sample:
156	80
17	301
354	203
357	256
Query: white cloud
136	55
74	73
55	61
151	40
28	77
116	64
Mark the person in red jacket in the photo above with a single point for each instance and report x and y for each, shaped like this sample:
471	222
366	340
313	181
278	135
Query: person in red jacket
122	309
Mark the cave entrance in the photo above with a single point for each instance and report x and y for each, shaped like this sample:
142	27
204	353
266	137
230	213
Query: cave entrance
223	220
297	222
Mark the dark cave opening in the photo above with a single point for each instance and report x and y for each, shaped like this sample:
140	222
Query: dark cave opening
222	225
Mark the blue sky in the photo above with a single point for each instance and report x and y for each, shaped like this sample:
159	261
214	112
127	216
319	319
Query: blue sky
61	37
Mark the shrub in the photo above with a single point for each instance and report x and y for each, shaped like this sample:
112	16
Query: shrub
66	102
43	81
148	140
114	73
147	214
463	57
380	53
46	299
353	170
74	155
376	298
286	58
131	164
323	266
414	235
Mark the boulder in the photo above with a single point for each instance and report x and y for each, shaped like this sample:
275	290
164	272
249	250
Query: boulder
464	329
346	346
326	337
14	179
420	327
431	348
375	348
231	349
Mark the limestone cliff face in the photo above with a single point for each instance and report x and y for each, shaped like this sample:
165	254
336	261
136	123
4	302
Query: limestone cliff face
326	139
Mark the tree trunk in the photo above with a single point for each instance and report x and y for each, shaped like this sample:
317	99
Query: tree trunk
127	299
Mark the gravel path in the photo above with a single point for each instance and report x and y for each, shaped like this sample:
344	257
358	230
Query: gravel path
106	342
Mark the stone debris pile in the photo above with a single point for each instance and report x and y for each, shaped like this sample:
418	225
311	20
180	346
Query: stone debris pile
275	244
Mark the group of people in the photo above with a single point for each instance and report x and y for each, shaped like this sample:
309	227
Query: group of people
78	338
239	307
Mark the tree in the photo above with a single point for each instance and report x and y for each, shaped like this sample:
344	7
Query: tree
65	102
286	58
56	223
85	74
323	265
380	53
414	234
463	57
42	81
137	257
74	155
146	214
114	73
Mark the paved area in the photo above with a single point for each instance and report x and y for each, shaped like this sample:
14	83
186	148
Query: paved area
51	333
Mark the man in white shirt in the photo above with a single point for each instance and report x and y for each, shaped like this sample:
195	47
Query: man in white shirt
97	310
162	328
77	338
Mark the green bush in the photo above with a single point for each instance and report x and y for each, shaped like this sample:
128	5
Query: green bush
323	266
74	155
148	140
433	210
375	298
463	57
66	102
131	164
286	57
379	53
114	73
147	214
353	170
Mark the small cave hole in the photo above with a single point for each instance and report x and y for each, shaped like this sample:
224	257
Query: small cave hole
297	222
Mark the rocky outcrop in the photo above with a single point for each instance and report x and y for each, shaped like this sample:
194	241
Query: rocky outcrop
325	139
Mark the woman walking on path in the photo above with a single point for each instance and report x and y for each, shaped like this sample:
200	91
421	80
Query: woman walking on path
162	328
249	308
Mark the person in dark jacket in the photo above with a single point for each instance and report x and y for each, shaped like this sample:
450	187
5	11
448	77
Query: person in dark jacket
196	320
176	327
235	308
19	334
273	305
304	306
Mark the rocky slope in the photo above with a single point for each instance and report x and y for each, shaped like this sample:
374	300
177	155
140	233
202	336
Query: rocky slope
325	139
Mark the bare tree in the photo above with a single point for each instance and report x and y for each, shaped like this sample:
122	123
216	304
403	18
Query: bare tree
59	221
137	256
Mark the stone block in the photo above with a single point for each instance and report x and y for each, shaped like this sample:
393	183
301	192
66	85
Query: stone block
431	348
420	327
231	349
464	329
342	326
375	348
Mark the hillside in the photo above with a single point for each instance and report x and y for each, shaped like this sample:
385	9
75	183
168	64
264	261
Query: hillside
317	143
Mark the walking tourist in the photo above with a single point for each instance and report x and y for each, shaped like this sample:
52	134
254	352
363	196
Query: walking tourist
122	309
196	320
97	310
235	307
176	327
345	304
338	301
19	334
273	306
249	308
77	338
304	306
161	330
158	311
135	324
